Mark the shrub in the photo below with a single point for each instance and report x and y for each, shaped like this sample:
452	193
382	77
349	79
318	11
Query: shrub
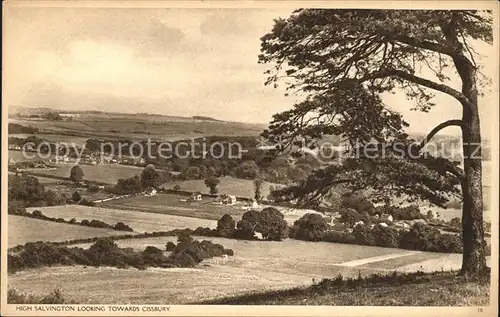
363	235
76	196
385	237
153	256
93	188
310	227
421	237
229	252
120	226
37	214
350	217
98	224
226	226
177	187
170	246
86	202
246	227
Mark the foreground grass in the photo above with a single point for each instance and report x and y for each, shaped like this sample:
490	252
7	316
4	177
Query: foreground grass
413	289
56	297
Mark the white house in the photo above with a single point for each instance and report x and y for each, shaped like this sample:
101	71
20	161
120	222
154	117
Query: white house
150	192
255	204
359	223
227	199
386	218
383	224
196	196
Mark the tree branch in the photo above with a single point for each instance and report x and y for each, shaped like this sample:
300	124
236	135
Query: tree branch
417	80
435	47
438	128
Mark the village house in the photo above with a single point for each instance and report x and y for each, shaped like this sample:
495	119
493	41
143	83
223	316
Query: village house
226	199
150	191
386	218
359	223
196	196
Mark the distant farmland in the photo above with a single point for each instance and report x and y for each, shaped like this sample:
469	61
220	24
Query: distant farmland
138	127
23	229
228	185
171	204
109	173
139	221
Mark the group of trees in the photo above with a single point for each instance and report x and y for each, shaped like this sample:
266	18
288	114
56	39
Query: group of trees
26	191
17	128
105	252
269	222
343	61
150	177
313	227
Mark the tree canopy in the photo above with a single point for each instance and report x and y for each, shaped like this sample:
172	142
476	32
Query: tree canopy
341	63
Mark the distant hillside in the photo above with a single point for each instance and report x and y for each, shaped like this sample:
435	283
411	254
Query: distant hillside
204	118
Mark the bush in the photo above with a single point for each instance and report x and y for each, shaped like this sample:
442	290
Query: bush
229	252
350	217
363	235
120	226
226	226
76	197
385	237
246	227
98	224
170	246
86	202
310	227
93	188
37	214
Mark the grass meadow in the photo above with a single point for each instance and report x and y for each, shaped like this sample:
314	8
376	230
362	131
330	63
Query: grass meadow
228	185
106	173
174	205
23	229
139	221
257	266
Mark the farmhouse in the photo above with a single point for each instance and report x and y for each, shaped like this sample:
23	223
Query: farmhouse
150	192
359	223
386	218
196	196
226	199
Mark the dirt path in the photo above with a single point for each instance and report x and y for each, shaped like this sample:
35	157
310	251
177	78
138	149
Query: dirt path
378	258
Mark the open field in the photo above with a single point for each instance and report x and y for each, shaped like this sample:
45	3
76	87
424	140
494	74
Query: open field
139	221
62	138
173	205
257	266
138	127
63	187
108	173
228	185
43	180
23	229
19	157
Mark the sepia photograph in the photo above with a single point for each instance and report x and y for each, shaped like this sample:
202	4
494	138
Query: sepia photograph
188	158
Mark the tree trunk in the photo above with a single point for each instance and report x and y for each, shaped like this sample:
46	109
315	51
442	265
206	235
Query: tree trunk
474	261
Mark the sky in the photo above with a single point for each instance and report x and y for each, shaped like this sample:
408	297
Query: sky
181	62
